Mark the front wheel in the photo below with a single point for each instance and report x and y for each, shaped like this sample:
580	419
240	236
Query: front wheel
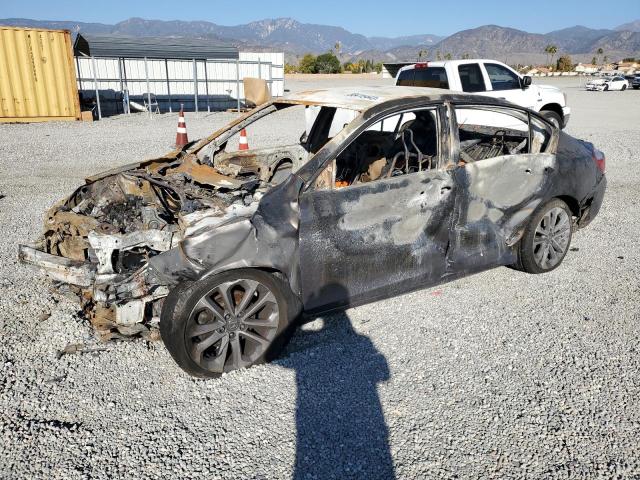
230	321
624	87
546	238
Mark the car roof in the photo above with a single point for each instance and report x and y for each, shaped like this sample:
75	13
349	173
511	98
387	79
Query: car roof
442	63
361	98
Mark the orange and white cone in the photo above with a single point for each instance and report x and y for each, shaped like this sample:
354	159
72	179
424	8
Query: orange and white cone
243	144
181	134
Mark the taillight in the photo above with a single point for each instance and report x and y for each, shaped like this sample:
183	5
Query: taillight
420	66
599	160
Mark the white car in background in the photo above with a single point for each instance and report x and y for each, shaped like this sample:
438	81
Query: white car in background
492	79
605	84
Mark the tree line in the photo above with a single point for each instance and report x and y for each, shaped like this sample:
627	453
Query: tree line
330	63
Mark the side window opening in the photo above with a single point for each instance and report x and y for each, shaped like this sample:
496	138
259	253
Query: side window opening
485	133
501	77
397	145
471	78
324	123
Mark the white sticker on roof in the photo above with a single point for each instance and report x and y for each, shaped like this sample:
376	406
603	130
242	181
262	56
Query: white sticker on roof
363	96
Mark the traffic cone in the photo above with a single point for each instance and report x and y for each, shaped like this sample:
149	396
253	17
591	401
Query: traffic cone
181	134
243	144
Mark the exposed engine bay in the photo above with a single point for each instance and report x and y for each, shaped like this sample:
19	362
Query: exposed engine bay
109	228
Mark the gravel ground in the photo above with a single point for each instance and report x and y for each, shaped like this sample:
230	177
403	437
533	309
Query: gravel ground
501	374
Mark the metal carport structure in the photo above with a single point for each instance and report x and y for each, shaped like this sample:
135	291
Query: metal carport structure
164	73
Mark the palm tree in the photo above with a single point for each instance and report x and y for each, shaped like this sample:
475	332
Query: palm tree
600	51
550	50
337	47
422	53
546	50
448	56
553	50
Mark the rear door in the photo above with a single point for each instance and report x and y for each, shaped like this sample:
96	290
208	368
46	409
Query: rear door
504	171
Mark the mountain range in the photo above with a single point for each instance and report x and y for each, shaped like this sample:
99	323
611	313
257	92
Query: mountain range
296	38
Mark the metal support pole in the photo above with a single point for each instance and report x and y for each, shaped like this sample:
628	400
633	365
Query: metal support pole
121	85
146	76
206	85
238	82
79	73
126	85
259	69
195	83
95	86
166	71
270	81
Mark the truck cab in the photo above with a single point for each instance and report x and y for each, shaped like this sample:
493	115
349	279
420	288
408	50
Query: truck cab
490	78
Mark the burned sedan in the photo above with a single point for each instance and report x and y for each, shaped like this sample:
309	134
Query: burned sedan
387	190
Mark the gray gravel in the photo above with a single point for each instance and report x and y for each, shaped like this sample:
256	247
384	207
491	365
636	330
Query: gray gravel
501	374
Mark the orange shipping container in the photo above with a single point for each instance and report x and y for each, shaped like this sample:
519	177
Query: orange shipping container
37	76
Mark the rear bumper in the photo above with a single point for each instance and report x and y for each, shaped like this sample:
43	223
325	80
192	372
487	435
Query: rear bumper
593	204
58	268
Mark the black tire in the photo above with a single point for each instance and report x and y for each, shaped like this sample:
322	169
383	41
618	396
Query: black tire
179	319
606	88
624	87
530	256
636	88
553	117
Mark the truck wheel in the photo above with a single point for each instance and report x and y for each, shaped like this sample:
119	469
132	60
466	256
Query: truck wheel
546	239
229	321
553	117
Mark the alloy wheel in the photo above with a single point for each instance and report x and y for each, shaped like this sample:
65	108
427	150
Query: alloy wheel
551	238
232	325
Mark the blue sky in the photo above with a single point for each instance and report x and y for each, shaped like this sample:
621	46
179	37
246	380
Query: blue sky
371	18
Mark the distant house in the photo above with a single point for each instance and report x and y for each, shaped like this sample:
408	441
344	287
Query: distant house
539	71
586	68
627	68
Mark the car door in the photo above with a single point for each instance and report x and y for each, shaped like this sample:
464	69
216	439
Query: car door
506	84
504	172
374	240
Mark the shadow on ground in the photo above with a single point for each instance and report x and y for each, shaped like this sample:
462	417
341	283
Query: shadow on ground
341	430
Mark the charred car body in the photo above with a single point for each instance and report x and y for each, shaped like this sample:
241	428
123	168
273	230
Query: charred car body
389	190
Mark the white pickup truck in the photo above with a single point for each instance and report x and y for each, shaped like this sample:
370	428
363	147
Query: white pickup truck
490	78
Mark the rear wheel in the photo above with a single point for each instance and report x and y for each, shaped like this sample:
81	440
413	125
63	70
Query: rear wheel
547	238
552	117
606	88
624	87
230	321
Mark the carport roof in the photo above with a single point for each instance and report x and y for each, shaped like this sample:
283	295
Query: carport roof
150	47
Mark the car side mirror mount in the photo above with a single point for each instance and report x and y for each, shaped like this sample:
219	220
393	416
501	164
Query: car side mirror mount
526	81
